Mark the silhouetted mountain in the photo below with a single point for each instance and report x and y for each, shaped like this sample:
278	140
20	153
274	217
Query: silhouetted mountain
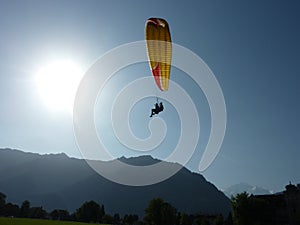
244	187
57	181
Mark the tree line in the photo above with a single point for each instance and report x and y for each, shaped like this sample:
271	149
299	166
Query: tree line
158	212
246	210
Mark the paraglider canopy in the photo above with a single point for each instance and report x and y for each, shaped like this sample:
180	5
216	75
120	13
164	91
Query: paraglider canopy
159	49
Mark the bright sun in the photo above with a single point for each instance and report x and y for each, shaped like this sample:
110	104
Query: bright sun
57	83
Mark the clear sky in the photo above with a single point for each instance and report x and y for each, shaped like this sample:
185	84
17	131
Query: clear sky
252	47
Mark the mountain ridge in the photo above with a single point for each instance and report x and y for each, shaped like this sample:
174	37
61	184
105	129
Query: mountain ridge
58	181
245	187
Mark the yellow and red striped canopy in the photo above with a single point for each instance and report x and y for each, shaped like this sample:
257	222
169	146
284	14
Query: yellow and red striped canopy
159	49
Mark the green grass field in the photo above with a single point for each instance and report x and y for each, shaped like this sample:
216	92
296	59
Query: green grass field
21	221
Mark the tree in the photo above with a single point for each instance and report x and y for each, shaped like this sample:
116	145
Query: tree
37	212
169	214
204	221
248	210
54	215
241	208
2	203
219	220
116	219
59	214
90	212
229	220
153	212
185	219
107	219
11	210
130	219
25	209
160	213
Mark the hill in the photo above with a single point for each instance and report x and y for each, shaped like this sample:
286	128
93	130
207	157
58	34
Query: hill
56	181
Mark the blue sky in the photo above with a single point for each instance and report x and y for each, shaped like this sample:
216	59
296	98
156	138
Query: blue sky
252	47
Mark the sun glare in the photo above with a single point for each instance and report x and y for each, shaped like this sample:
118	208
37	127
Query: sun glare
57	83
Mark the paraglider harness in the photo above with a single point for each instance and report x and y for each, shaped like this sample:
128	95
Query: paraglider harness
157	109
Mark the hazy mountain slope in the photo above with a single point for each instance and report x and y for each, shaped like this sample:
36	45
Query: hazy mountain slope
244	187
57	181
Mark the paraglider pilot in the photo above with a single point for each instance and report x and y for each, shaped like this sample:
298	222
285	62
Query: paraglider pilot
158	108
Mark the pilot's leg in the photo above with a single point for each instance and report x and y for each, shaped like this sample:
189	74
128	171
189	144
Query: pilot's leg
152	113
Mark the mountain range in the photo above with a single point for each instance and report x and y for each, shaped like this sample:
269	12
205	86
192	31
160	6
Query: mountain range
245	187
56	181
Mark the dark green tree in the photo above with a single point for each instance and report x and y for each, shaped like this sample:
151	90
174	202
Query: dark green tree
60	214
248	210
64	214
241	209
90	212
2	203
25	209
153	212
102	210
204	221
130	219
116	219
37	212
229	220
219	220
201	220
169	214
54	215
12	210
107	219
185	219
160	213
72	217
